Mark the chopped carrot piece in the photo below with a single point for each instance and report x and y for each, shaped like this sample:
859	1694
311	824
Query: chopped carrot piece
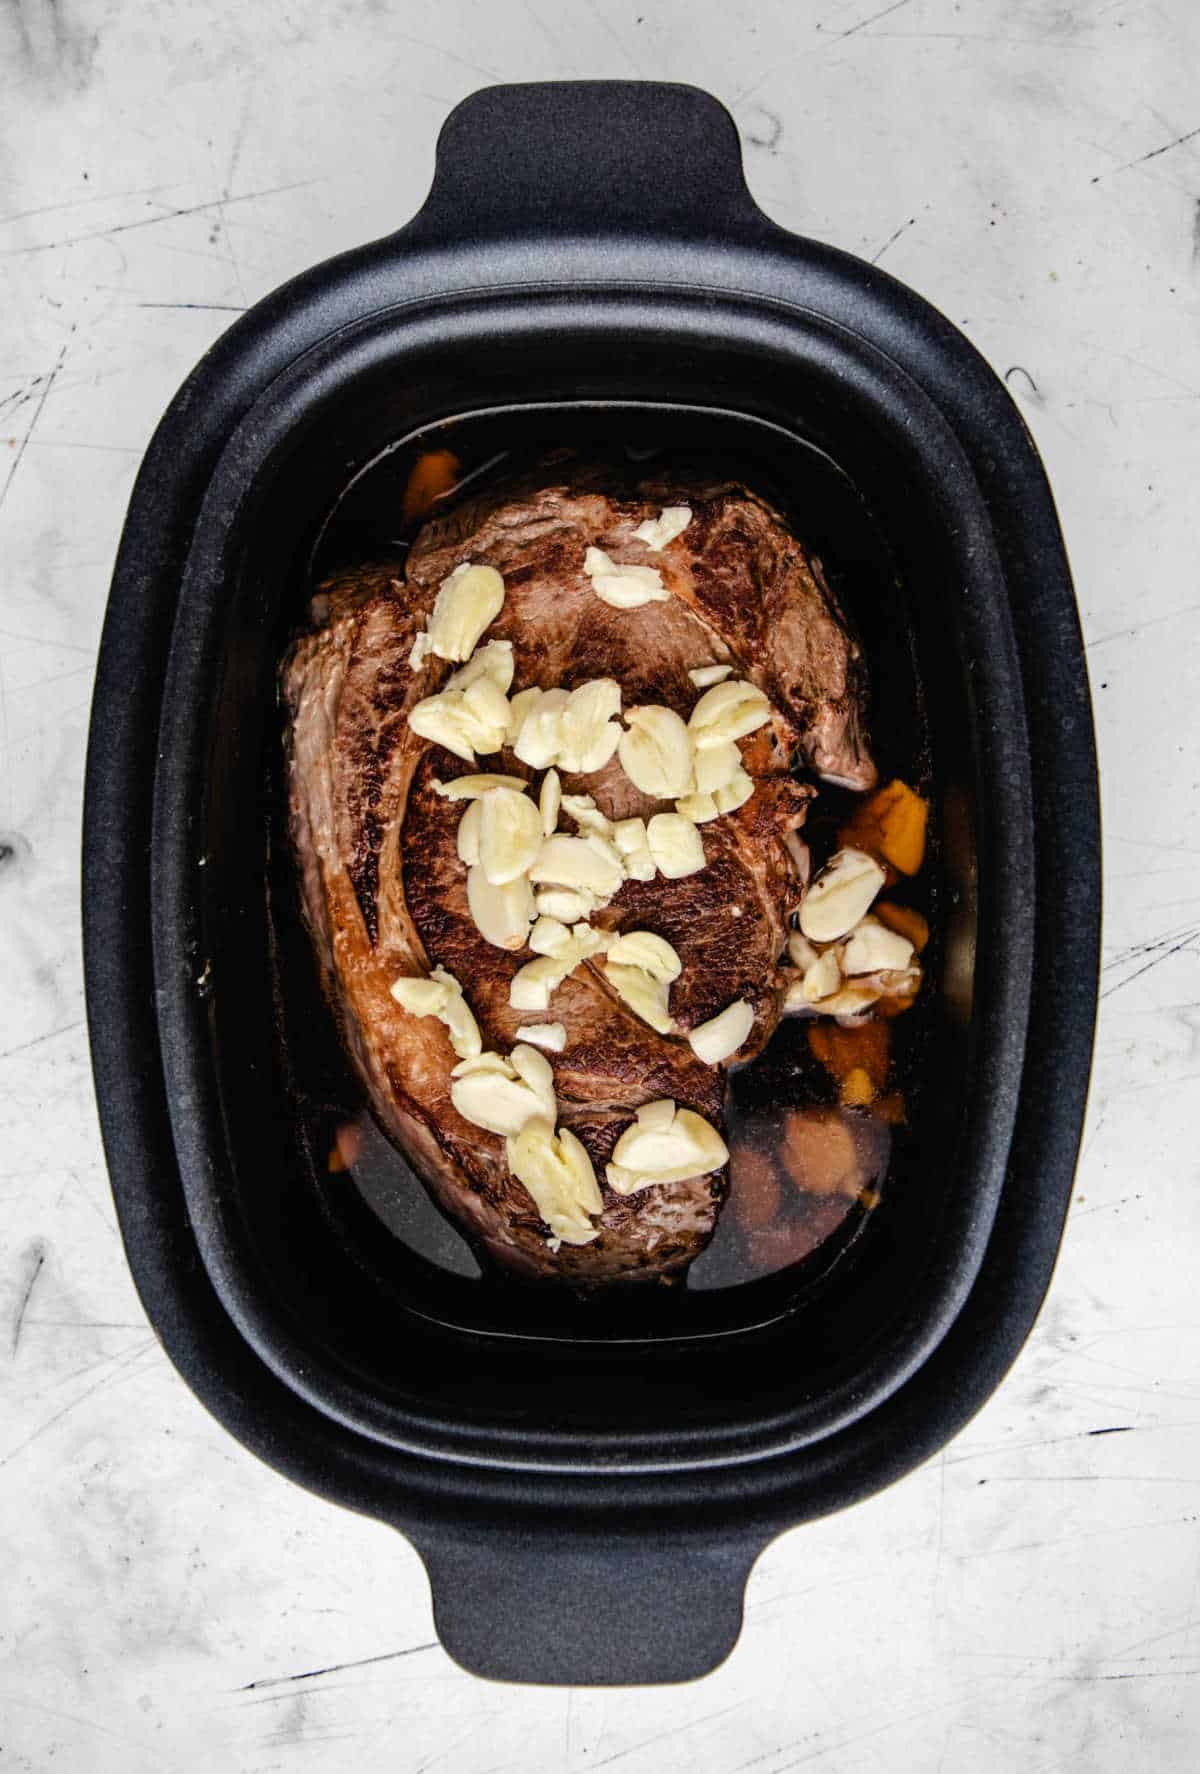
347	1146
903	919
891	825
857	1088
865	1048
432	474
819	1153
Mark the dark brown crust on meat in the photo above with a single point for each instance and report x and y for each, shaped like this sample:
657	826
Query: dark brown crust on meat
384	891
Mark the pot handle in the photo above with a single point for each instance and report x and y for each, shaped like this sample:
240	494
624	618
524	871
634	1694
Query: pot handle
521	1606
563	158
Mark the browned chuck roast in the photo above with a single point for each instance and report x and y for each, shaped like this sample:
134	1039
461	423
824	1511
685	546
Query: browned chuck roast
384	891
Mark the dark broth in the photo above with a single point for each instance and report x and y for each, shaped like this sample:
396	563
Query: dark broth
806	1173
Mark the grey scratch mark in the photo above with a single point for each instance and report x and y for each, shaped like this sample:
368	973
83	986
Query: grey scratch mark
768	136
37	413
660	1737
874	18
51	1035
614	36
1188	136
235	155
446	54
892	239
1018	369
1196	232
1155	961
149	1347
306	1675
37	1251
170	215
217	307
1117	1429
1118	634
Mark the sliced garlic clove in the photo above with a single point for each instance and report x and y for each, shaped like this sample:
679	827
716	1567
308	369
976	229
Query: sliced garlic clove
704	675
873	948
564	861
504	1101
629	837
549	801
530	986
722	1035
557	1173
675	845
564	903
653	954
468	835
822	978
656	532
482	1062
590	734
736	793
419	652
648	1155
519	707
441	719
494	661
622	587
728	711
549	937
470	788
441	995
539	740
587	816
841	894
654	1117
716	766
502	913
698	808
510	835
645	995
800	951
656	752
488	707
420	996
551	1036
467	601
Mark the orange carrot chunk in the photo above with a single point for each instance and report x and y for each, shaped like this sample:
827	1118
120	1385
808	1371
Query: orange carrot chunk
891	825
903	919
432	474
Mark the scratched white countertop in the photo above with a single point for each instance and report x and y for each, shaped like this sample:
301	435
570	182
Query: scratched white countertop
1031	1598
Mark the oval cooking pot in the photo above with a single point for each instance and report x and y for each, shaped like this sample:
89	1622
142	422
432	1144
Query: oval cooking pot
588	1503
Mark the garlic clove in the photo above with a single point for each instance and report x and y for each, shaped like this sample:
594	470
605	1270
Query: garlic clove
470	788
716	766
564	861
549	937
656	1116
705	675
841	894
495	661
728	711
420	997
557	1173
468	835
735	793
645	1156
567	904
587	816
653	954
822	978
530	986
722	1035
549	801
698	808
656	752
645	995
502	913
622	587
551	1036
441	995
467	602
539	740
510	835
656	532
629	837
873	948
441	719
800	951
675	845
503	1101
590	734
518	708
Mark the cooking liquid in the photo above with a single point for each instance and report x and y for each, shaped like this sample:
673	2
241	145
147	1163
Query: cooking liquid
806	1169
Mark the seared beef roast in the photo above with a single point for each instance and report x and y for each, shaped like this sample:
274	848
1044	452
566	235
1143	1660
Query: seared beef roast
384	891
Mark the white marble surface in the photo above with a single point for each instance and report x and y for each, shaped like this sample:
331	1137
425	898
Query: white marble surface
1031	1599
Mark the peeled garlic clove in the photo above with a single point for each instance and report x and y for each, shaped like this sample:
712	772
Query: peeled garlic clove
722	1034
675	845
548	937
656	532
646	1155
468	834
629	837
441	995
420	997
467	601
494	661
653	954
728	711
654	1117
518	709
470	788
488	707
800	951
530	986
460	1023
656	752
587	816
502	1102
716	766
557	1173
698	808
549	801
551	1036
564	903
873	948
539	740
624	588
510	835
419	652
589	732
564	861
704	675
482	1062
822	978
841	894
645	995
441	719
735	793
501	913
